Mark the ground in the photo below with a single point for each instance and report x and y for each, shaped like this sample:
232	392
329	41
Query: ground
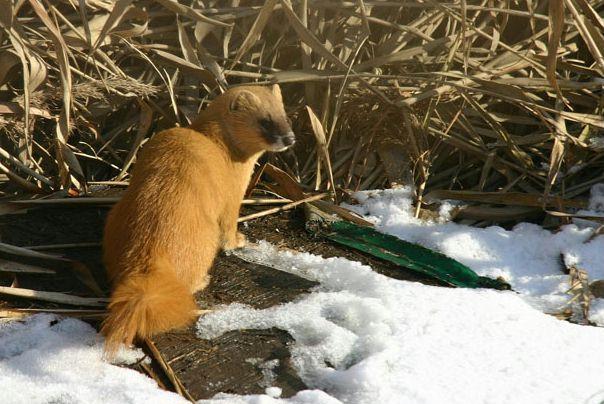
290	321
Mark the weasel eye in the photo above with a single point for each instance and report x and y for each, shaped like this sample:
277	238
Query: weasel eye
266	124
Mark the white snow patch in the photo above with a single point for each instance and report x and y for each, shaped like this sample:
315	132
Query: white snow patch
596	312
45	359
365	338
274	392
302	397
528	257
267	368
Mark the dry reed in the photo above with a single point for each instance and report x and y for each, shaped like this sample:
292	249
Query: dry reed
483	96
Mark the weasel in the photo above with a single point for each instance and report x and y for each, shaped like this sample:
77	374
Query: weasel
181	208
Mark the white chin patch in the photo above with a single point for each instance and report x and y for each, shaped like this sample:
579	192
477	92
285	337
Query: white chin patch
278	147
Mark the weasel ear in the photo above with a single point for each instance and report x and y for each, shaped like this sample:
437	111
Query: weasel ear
276	90
244	100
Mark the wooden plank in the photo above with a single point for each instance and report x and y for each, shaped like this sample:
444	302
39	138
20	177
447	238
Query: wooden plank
54	297
19	268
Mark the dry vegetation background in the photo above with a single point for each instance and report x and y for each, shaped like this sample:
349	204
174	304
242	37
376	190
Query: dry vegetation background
491	95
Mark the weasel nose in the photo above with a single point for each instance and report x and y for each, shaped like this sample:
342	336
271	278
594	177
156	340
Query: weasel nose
289	139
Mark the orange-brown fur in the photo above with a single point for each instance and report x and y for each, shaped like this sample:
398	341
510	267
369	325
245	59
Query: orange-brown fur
181	207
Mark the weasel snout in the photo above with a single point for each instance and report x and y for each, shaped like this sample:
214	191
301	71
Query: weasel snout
277	133
289	139
284	141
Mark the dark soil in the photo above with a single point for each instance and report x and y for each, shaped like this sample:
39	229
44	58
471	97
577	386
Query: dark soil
230	363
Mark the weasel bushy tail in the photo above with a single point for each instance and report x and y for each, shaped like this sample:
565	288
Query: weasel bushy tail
145	304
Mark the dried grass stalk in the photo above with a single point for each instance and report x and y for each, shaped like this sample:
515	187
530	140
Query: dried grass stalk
498	96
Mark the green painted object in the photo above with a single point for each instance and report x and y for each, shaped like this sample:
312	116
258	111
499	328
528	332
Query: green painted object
403	253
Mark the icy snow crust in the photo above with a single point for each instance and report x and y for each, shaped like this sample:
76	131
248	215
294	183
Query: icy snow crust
49	360
528	257
361	337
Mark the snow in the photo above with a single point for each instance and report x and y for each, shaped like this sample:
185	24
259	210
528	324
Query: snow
274	392
529	257
597	311
267	370
362	337
302	397
45	359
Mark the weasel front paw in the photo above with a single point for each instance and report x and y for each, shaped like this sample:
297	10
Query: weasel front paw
239	241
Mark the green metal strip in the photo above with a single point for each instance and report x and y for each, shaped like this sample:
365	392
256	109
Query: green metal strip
408	255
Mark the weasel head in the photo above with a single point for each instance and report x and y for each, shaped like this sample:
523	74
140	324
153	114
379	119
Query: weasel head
256	119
